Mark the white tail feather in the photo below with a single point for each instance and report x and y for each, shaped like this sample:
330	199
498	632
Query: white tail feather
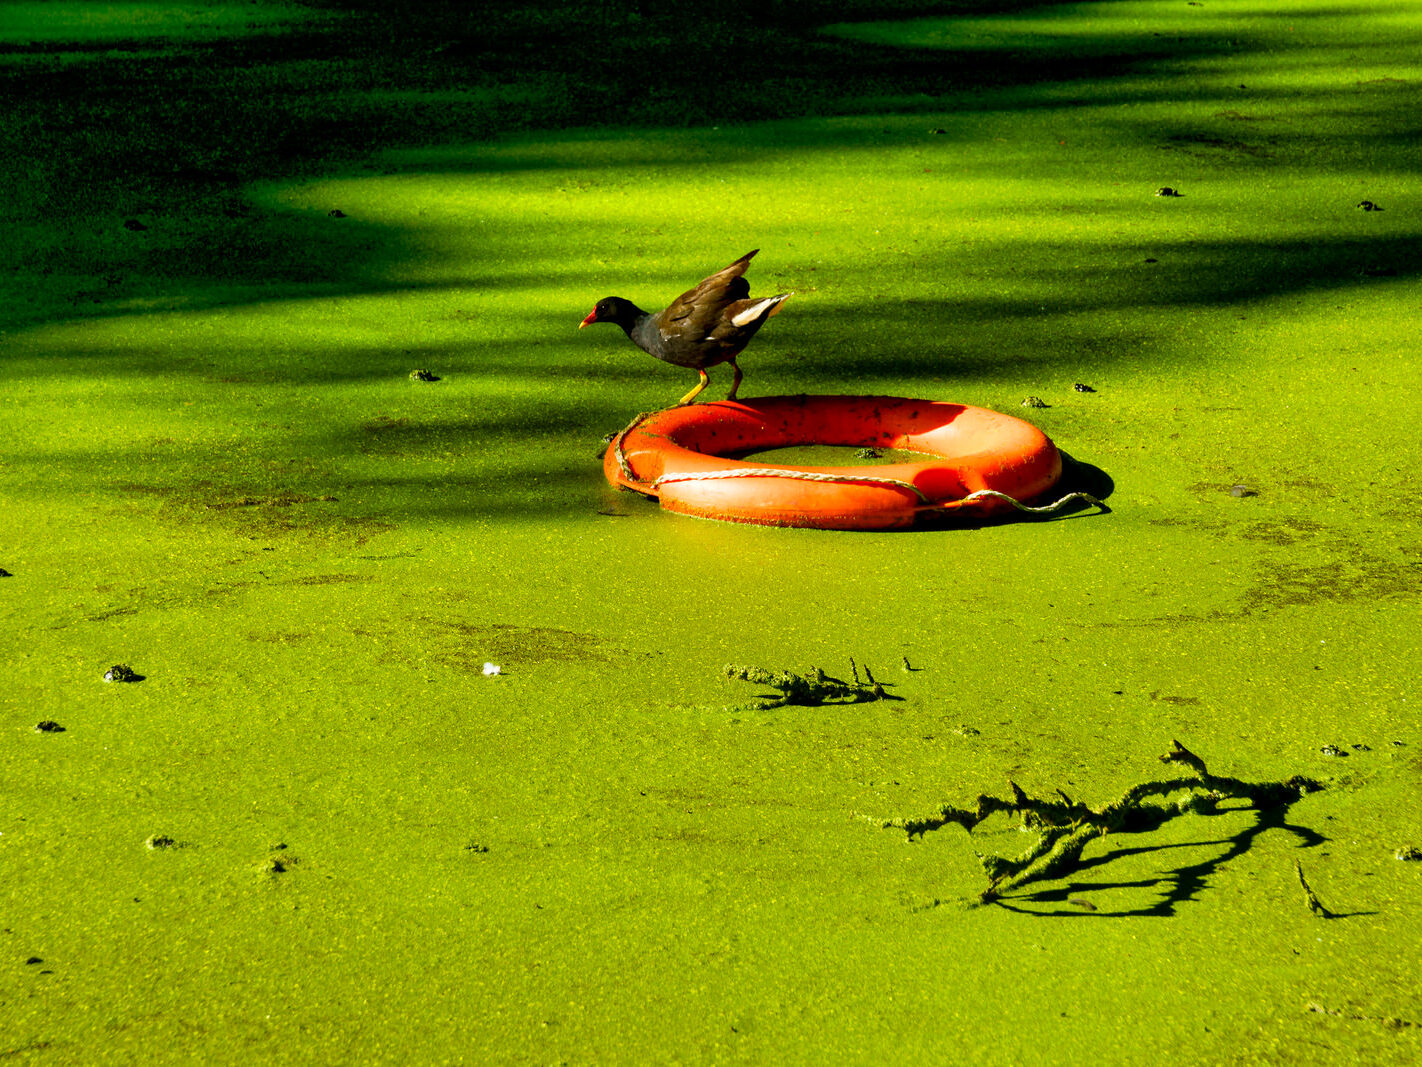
757	309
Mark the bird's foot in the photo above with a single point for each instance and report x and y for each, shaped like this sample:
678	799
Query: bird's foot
735	382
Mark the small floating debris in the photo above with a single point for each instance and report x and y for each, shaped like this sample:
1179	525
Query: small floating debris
1081	387
492	669
5	574
1332	750
122	672
1368	205
1408	854
1034	402
1242	490
158	841
1166	190
1310	897
421	375
335	213
48	726
869	453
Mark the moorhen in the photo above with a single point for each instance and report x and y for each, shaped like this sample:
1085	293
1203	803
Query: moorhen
707	325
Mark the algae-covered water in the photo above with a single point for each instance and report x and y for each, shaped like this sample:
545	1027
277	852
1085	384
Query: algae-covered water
323	828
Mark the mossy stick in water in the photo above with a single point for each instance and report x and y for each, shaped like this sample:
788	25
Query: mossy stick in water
812	688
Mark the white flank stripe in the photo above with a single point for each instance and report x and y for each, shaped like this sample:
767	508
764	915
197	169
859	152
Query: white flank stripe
753	312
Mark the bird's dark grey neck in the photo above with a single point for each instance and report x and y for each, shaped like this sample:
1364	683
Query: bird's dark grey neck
642	328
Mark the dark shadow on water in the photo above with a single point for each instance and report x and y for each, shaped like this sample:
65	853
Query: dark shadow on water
127	186
1175	886
1079	476
168	132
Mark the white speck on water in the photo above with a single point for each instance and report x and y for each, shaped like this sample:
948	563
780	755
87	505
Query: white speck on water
491	669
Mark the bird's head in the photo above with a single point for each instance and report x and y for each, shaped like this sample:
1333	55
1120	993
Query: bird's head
613	309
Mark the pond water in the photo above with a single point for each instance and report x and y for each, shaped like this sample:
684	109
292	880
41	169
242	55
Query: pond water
219	473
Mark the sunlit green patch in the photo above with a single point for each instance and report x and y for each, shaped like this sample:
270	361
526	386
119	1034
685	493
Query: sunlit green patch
100	24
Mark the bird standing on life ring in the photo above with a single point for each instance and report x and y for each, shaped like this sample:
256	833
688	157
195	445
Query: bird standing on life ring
709	324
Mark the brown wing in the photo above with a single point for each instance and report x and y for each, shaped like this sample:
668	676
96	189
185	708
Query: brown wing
701	305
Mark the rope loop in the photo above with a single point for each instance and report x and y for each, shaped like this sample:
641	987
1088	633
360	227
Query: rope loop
804	476
1045	509
627	471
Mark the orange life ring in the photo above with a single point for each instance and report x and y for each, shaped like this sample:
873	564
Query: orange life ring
683	456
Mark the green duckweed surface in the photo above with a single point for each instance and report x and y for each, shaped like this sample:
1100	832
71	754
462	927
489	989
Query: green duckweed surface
319	829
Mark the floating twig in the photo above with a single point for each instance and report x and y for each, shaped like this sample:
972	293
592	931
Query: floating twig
1310	897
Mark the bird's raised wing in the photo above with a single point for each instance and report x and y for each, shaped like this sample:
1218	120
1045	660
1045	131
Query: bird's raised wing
701	304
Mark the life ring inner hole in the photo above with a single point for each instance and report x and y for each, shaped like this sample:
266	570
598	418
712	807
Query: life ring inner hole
822	455
922	430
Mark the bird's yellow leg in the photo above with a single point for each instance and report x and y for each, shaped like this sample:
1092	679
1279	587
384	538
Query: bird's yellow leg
702	384
736	381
